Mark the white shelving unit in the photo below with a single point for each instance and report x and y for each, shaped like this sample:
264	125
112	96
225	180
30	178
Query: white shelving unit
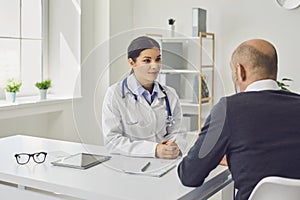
209	40
185	59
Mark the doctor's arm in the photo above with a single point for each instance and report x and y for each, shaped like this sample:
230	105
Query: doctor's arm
177	131
115	139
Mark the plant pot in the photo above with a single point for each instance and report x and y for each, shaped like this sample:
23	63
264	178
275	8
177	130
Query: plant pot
43	94
172	30
10	97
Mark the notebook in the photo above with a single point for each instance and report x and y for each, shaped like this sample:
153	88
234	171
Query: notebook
154	167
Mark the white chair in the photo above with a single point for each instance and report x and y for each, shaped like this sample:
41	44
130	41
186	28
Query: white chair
276	188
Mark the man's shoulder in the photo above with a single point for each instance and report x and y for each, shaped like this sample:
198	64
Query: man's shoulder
262	94
114	89
116	86
266	98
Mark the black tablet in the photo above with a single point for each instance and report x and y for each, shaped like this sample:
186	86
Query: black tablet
81	160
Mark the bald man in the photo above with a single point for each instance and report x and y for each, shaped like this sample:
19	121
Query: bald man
258	129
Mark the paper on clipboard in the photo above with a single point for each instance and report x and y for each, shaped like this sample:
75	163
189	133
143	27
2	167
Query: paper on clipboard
132	165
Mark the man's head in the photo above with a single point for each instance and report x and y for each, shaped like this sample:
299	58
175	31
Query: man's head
253	60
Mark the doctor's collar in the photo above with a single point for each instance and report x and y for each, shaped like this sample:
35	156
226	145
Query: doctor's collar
134	85
141	89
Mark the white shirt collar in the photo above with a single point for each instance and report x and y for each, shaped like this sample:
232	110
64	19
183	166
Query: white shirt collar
267	84
133	86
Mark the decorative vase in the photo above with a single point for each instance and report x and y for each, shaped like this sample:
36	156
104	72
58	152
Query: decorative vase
10	97
43	94
172	28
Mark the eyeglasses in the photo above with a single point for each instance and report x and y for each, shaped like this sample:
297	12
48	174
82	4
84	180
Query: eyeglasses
23	158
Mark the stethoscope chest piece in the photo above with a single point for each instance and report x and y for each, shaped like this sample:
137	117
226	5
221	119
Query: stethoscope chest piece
170	121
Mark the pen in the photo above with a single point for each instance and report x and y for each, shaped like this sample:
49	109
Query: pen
145	167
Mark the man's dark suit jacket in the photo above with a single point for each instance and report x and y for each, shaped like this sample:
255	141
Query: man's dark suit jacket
258	131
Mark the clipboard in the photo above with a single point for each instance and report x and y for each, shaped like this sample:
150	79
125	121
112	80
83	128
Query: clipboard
81	160
135	165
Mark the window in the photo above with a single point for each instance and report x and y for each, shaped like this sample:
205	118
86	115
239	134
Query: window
21	42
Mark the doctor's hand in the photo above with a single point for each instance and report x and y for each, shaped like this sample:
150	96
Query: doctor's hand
224	161
167	149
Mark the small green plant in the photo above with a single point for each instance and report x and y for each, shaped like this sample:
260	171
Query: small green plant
282	85
13	85
171	21
43	85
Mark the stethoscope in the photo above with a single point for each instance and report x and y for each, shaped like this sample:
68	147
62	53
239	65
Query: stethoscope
170	121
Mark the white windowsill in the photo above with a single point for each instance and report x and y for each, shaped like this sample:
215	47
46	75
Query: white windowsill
25	106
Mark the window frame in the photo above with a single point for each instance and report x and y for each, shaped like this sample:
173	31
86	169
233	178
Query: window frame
43	63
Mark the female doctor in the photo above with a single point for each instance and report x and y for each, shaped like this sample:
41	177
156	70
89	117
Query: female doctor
140	117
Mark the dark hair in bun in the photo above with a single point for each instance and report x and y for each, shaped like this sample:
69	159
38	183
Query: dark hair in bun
140	44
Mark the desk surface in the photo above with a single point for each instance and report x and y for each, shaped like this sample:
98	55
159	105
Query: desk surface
98	182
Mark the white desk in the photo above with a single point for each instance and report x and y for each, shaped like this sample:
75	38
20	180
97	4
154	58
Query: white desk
98	182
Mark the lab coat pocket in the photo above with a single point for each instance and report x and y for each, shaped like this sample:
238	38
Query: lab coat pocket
131	122
136	131
137	126
131	119
137	116
131	125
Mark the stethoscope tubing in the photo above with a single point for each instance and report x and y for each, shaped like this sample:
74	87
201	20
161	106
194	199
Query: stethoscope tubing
168	108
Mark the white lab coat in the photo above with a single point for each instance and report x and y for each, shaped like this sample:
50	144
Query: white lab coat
134	128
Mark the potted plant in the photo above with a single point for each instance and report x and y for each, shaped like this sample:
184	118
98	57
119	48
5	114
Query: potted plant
171	22
43	86
12	87
282	85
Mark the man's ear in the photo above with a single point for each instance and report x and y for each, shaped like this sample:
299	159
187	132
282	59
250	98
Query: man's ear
241	72
131	62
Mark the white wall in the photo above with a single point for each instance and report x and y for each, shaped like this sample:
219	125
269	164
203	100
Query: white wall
233	22
29	125
56	124
64	43
95	59
121	24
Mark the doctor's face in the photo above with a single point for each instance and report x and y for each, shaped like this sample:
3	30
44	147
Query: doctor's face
147	65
